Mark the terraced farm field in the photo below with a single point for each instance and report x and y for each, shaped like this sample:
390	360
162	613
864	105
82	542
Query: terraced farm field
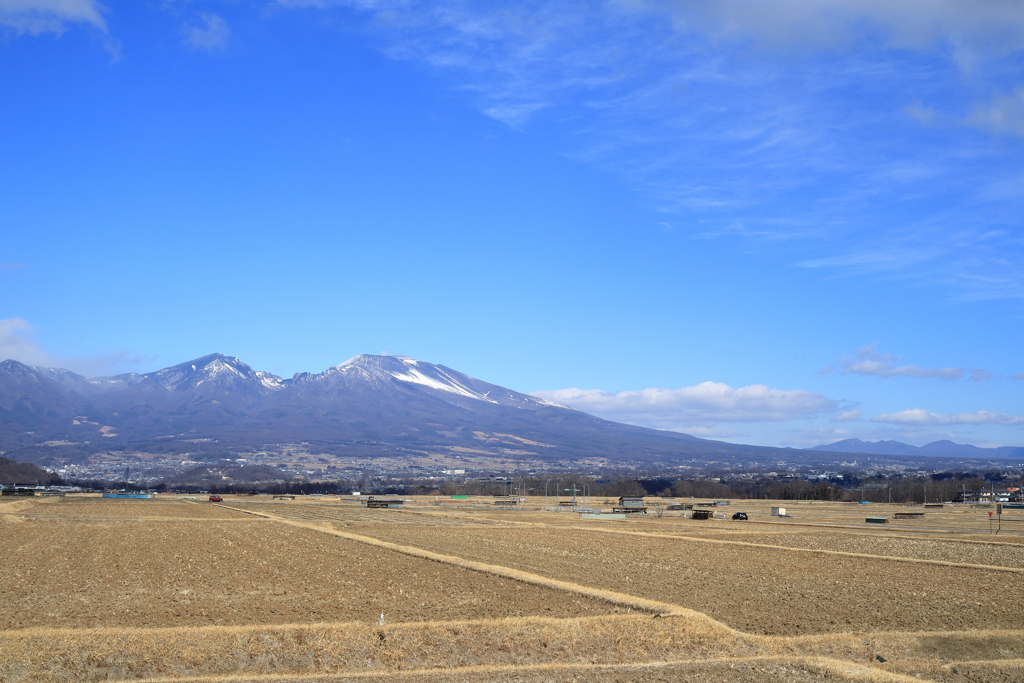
259	590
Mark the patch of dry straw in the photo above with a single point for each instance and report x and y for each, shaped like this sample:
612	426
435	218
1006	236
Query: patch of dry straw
297	650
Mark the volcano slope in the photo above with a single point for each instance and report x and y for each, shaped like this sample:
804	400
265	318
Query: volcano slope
258	590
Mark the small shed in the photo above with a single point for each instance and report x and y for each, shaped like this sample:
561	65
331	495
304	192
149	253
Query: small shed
703	514
877	520
372	502
778	512
630	504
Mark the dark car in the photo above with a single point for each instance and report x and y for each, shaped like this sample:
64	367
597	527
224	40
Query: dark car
740	515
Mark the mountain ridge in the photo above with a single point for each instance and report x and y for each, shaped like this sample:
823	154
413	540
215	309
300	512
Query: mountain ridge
941	448
366	407
394	402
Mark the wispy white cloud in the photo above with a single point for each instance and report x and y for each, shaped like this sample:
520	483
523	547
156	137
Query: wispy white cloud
318	4
704	404
979	262
847	416
17	343
712	432
212	34
923	115
806	25
1003	114
916	416
801	25
868	361
877	260
821	146
817	436
36	17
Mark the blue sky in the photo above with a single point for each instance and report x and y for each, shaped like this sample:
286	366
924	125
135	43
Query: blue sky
786	222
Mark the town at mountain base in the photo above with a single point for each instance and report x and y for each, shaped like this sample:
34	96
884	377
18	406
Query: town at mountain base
395	412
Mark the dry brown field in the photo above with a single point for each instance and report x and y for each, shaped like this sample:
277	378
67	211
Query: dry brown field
259	590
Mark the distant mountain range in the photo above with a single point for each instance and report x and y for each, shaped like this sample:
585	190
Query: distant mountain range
366	407
941	449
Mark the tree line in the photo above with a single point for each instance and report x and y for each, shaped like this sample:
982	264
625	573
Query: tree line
846	487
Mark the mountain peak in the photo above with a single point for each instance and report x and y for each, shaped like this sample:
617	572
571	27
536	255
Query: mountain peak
945	448
10	365
212	370
378	370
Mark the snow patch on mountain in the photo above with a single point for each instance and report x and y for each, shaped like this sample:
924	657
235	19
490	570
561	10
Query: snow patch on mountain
270	381
443	383
404	369
381	370
218	367
116	381
215	370
546	402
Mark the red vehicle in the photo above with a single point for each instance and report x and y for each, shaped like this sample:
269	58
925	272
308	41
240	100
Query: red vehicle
216	499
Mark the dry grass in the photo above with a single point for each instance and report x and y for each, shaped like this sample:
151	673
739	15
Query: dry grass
899	550
305	649
621	599
734	583
515	599
948	522
351	513
955	551
92	507
141	573
50	655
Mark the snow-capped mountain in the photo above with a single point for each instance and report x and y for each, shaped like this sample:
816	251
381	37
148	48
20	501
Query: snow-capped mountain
376	406
212	376
214	369
369	404
30	399
390	373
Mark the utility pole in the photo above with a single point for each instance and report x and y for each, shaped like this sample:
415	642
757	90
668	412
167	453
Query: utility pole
546	493
574	490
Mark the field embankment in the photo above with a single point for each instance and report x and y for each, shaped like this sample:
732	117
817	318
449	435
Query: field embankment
309	650
176	591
